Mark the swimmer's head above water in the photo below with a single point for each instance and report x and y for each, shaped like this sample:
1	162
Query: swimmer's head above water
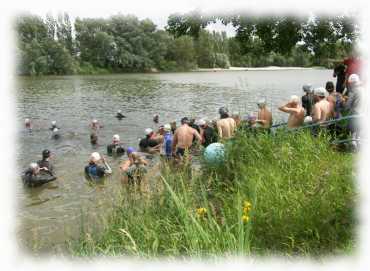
224	112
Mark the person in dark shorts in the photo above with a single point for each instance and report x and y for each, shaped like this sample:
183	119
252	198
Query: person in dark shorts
208	134
35	176
45	161
116	147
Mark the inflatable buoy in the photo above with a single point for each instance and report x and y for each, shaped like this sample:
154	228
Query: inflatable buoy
214	153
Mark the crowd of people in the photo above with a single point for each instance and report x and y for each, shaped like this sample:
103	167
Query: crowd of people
316	106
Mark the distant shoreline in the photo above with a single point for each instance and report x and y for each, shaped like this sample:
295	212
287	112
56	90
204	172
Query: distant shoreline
268	68
155	71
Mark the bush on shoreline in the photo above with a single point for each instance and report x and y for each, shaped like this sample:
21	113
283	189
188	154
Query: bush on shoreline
287	194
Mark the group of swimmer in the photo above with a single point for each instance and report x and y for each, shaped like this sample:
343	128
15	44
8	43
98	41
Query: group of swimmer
317	105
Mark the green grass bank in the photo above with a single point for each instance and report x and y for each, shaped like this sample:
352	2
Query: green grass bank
289	194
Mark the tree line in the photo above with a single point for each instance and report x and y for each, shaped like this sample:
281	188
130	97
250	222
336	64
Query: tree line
123	43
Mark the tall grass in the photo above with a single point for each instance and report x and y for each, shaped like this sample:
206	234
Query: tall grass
288	194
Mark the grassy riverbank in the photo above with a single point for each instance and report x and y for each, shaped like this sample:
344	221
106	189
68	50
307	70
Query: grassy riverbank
290	194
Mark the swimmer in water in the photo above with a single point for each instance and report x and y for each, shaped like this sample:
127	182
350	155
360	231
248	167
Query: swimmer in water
95	171
134	168
55	133
116	146
226	125
53	125
119	115
149	143
27	123
45	161
156	118
35	176
95	125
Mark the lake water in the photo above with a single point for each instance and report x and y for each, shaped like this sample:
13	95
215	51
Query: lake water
54	213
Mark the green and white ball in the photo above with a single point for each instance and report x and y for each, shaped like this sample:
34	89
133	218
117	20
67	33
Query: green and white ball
214	153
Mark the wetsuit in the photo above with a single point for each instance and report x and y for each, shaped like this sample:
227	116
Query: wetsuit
53	127
120	116
115	148
47	164
147	142
210	136
94	171
32	180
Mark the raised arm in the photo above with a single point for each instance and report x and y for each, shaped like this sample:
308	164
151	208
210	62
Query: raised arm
219	129
197	135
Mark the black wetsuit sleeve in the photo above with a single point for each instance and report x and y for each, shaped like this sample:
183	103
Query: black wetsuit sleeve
110	149
100	171
152	143
38	180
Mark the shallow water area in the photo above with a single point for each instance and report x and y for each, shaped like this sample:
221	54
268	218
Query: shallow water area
50	215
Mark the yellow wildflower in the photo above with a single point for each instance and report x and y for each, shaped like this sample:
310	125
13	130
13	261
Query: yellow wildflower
245	218
247	207
201	211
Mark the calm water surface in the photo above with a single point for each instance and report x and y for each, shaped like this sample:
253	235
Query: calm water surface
56	212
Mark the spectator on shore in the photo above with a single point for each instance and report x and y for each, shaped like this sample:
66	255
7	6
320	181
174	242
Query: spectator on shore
352	105
340	73
295	110
335	100
321	110
307	99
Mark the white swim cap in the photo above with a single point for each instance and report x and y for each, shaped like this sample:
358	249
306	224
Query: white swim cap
95	157
148	131
307	119
95	121
201	122
261	102
53	122
55	130
354	79
119	111
294	99
167	127
27	121
320	91
116	138
34	166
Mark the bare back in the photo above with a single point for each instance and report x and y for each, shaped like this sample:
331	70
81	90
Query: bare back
322	111
226	127
296	118
184	136
265	117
